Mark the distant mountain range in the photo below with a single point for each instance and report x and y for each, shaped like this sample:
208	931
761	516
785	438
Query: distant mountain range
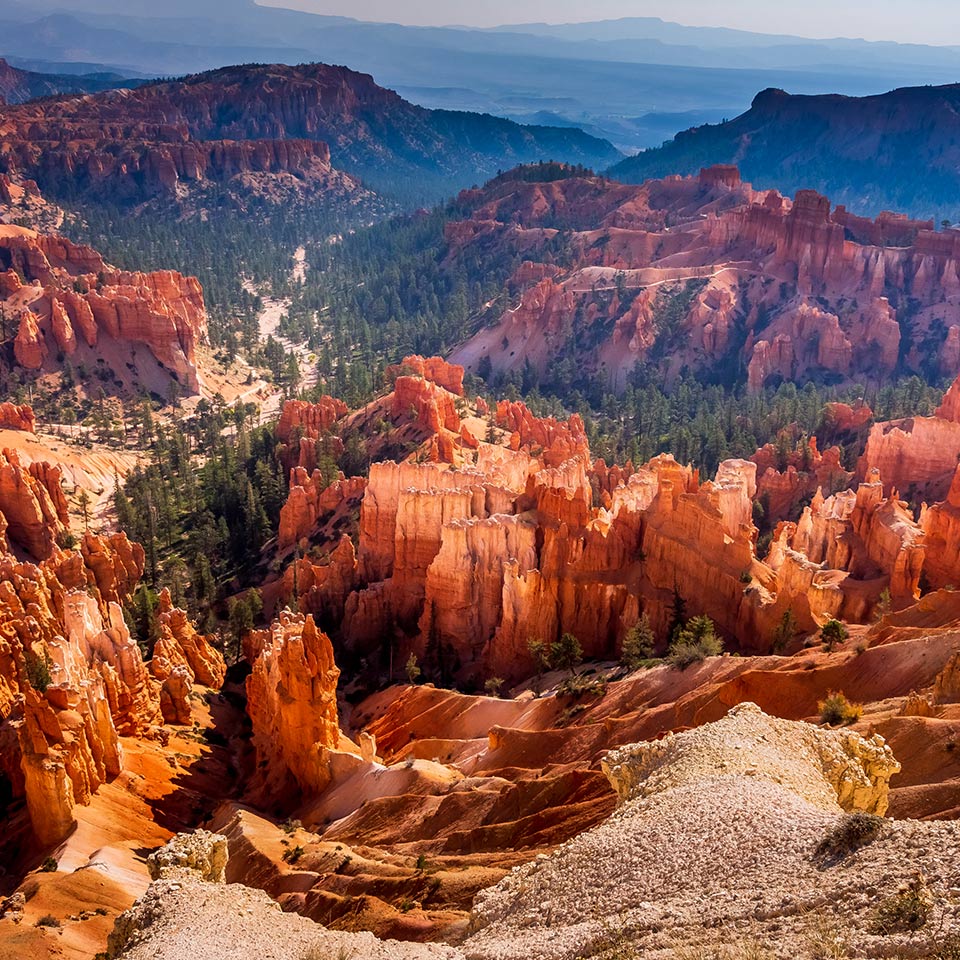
623	80
17	86
577	88
897	151
304	123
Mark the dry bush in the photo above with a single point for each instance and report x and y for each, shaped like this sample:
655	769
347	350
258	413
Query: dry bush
837	710
853	831
907	910
825	940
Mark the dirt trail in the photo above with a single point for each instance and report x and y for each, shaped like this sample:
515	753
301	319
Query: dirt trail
271	313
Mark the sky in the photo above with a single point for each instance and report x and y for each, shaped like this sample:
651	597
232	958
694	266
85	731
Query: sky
916	21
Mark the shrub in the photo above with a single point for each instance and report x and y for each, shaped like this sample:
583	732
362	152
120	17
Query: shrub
946	949
290	826
47	920
909	909
581	686
567	654
854	831
293	854
323	953
785	632
884	605
638	644
38	671
832	633
540	653
49	865
695	642
66	540
837	710
493	685
412	668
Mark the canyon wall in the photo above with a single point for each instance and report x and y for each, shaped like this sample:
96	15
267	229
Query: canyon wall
523	537
73	682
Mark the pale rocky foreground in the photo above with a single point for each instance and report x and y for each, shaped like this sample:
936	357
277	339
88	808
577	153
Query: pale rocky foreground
715	843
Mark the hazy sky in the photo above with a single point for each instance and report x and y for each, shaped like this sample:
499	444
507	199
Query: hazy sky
920	21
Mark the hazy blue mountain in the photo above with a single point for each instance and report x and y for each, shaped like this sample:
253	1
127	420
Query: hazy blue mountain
601	76
18	85
898	151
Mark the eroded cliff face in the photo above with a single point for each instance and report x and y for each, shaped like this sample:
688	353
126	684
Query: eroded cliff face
169	149
292	703
701	272
70	678
522	536
32	505
73	682
68	302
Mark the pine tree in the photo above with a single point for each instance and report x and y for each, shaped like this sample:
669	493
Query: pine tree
679	614
412	668
639	643
567	654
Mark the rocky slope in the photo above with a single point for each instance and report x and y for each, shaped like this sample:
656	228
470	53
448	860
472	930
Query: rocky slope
706	275
895	151
269	129
678	858
731	822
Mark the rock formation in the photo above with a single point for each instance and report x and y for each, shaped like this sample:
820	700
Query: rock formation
201	853
305	429
941	526
780	492
180	646
32	504
72	679
523	536
707	274
310	501
917	454
70	302
436	370
949	409
292	703
862	533
16	417
848	770
320	588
